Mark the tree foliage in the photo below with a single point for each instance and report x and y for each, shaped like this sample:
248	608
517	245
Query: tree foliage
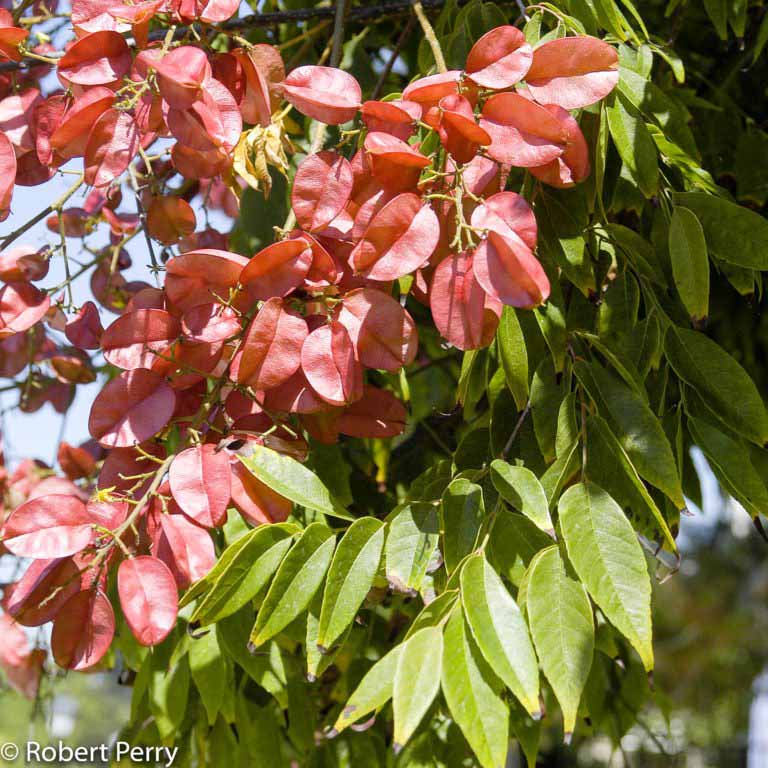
386	473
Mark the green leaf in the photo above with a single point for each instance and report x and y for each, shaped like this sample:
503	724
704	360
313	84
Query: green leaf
436	613
255	558
373	692
723	384
500	631
560	618
298	578
266	669
520	488
258	734
551	319
513	356
717	10
462	512
640	434
412	538
546	396
350	577
609	462
168	691
605	552
567	427
514	541
527	731
210	673
690	263
561	234
634	143
318	660
620	305
291	479
473	695
733	233
638	251
732	466
417	681
620	362
560	472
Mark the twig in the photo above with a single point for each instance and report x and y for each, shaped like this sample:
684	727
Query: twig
320	128
516	430
57	205
360	14
429	33
143	219
338	32
407	29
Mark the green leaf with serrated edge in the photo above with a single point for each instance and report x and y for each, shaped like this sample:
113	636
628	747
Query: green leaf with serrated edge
266	669
640	434
412	537
462	512
290	478
562	627
208	666
606	555
513	356
521	489
558	474
246	573
598	429
297	579
690	262
350	576
733	233
417	681
732	466
723	384
634	143
473	695
500	630
373	692
434	614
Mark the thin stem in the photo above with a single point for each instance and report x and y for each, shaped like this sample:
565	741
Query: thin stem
516	430
404	35
338	32
57	205
318	139
429	34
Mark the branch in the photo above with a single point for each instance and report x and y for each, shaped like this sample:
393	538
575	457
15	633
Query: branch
404	35
359	14
429	33
55	206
